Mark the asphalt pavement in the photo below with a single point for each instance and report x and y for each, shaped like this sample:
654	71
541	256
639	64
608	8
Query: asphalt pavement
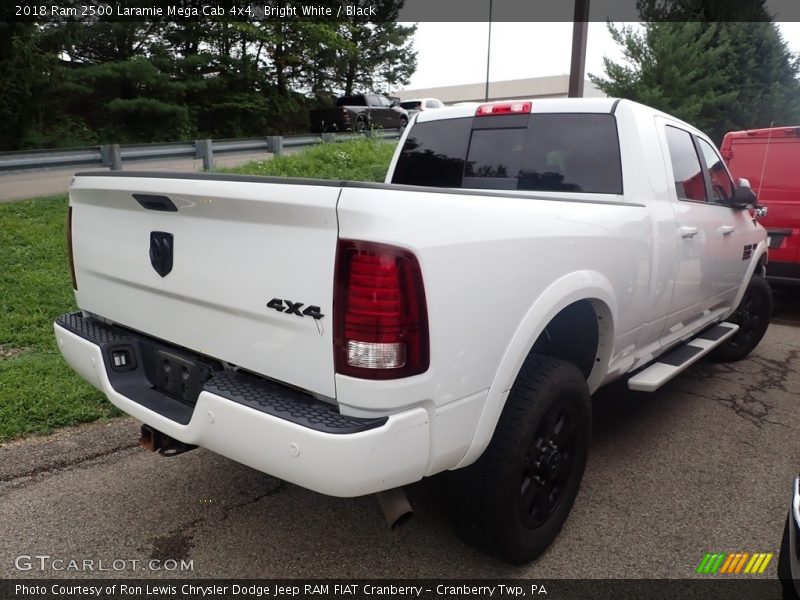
702	465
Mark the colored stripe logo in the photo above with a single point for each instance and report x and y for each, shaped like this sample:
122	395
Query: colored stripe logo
735	563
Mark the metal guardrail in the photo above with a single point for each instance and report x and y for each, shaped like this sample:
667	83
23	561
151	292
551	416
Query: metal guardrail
114	155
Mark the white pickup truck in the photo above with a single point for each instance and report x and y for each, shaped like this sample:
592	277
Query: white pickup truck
353	338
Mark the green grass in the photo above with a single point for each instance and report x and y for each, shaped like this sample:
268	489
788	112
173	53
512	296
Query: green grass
357	160
38	391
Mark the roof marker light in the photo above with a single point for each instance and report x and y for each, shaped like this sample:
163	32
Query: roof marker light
503	108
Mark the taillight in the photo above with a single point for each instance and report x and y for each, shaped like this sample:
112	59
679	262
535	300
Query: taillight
380	328
69	249
503	108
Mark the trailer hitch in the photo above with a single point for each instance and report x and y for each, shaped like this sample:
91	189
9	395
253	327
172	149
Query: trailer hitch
155	441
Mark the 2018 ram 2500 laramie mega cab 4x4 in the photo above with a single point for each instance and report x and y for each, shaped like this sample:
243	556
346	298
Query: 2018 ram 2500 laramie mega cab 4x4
356	337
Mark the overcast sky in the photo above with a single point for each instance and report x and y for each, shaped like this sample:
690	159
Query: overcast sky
455	53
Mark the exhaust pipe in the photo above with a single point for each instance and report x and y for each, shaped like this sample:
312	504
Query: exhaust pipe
395	506
155	441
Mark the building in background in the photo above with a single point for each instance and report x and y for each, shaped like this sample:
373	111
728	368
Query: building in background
555	86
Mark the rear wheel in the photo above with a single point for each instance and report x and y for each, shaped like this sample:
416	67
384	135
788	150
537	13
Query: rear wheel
518	495
403	123
361	126
752	316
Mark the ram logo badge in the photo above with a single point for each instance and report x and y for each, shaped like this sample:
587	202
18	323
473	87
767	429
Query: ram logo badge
293	308
162	246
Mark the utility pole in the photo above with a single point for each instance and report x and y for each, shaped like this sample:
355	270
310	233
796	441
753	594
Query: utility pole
580	27
488	53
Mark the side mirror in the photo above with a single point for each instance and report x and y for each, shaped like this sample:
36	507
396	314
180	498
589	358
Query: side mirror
394	103
744	197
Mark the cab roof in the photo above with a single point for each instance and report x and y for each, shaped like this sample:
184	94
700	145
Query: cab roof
558	105
539	105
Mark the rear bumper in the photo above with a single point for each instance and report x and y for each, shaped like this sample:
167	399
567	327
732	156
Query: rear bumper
381	454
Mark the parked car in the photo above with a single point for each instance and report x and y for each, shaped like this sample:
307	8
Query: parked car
770	159
359	113
353	337
789	557
419	104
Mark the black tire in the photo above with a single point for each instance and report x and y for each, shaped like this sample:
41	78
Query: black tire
361	126
517	496
752	316
784	569
403	123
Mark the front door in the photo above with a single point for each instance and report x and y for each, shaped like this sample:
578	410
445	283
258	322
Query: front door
734	232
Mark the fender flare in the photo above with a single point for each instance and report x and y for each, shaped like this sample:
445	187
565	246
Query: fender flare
580	285
761	252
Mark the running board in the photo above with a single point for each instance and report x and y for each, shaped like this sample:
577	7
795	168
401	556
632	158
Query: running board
681	358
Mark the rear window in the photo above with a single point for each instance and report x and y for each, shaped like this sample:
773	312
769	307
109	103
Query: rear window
434	153
411	105
546	152
351	101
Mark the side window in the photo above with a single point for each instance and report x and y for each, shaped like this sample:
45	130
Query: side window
431	104
383	101
721	182
372	100
689	180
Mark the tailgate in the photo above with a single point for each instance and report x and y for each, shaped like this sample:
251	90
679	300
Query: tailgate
240	249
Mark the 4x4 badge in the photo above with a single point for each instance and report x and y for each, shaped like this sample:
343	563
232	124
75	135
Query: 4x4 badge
293	308
162	246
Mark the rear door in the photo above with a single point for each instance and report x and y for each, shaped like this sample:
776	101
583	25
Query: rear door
249	275
771	165
781	192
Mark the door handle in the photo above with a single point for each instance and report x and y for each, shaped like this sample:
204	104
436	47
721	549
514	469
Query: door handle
688	232
726	229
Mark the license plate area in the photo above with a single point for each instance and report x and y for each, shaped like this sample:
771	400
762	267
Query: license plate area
177	375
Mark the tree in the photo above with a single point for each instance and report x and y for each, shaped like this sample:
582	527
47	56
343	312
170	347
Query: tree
31	110
359	55
375	57
718	76
703	10
75	82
